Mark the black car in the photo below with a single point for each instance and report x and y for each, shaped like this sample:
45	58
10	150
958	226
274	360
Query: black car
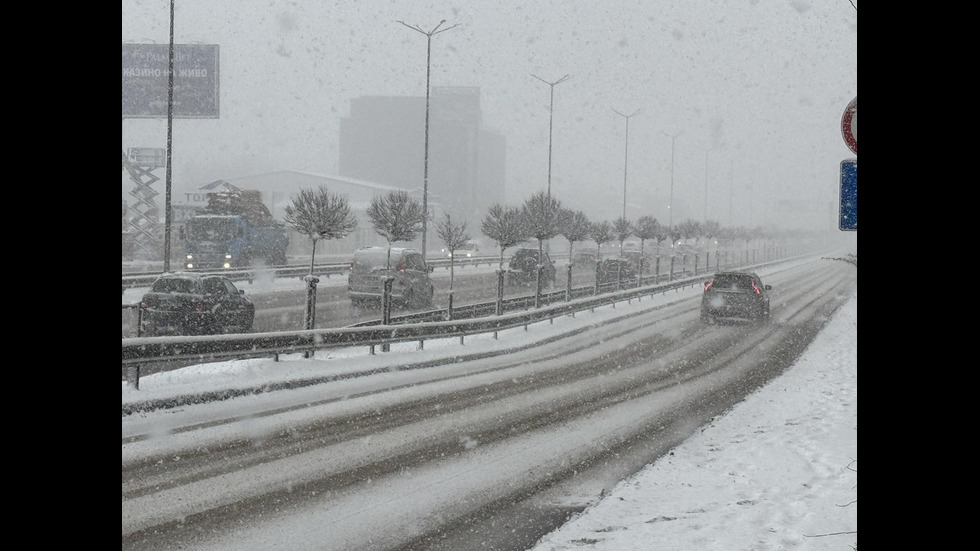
522	266
612	269
735	296
185	303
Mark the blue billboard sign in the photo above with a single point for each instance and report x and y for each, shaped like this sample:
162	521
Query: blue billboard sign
849	195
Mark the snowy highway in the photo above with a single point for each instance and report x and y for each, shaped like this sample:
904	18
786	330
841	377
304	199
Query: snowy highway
496	441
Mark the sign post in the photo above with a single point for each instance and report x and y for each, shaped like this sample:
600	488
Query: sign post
849	170
849	195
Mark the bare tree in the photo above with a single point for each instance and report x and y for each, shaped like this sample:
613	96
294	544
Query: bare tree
600	232
622	228
319	215
503	225
396	217
453	235
647	227
575	227
542	215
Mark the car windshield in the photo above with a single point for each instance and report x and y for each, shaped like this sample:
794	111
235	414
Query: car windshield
176	285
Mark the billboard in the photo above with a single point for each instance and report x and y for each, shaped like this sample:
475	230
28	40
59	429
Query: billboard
145	81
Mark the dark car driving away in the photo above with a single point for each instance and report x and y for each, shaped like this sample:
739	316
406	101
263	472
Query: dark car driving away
185	303
521	269
735	296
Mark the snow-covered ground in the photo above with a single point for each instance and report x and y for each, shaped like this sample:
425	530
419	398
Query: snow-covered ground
779	471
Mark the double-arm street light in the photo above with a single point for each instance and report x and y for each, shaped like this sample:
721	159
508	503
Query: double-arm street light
670	205
626	153
551	119
425	167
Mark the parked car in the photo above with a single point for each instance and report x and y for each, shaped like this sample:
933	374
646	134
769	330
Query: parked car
411	288
735	296
186	303
611	269
522	266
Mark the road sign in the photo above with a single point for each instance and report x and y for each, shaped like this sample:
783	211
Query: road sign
849	195
148	157
849	125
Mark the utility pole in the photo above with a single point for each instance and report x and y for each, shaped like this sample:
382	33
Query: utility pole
425	165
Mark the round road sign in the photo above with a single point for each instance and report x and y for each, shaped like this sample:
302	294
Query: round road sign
849	125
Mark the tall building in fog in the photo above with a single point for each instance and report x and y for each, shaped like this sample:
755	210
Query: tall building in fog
383	141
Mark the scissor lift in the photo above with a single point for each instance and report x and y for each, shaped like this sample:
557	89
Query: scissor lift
145	220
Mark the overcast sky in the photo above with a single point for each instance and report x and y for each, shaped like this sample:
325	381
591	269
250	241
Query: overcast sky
760	85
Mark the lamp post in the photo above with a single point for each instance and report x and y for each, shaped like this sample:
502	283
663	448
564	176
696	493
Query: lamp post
425	165
551	119
170	141
731	191
670	205
626	153
706	184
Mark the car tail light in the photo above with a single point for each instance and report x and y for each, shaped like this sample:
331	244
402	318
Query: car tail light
708	284
757	291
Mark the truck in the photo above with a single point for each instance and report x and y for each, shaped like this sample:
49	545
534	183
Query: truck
234	230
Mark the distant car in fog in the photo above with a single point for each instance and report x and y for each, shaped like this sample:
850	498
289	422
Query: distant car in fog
521	270
611	269
466	250
583	259
411	288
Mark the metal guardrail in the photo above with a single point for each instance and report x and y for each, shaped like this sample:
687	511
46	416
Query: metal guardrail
143	350
478	318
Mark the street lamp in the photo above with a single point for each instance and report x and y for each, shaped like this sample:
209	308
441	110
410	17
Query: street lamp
626	153
170	141
706	184
670	205
731	191
551	118
425	165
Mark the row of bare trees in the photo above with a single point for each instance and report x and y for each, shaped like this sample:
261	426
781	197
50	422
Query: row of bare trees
320	214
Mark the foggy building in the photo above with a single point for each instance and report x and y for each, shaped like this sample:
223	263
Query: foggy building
383	141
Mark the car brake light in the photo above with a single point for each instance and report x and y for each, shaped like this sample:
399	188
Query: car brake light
708	284
757	291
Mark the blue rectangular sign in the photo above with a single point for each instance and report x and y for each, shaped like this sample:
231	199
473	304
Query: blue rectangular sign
849	195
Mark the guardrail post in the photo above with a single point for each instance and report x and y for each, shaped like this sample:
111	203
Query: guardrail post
133	376
499	307
386	308
568	286
537	285
311	282
656	274
671	276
